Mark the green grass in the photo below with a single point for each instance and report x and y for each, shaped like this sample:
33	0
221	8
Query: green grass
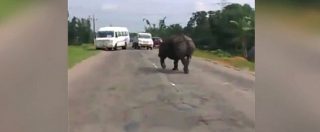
225	58
77	53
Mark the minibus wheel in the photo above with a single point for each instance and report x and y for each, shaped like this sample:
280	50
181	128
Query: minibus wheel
125	46
115	47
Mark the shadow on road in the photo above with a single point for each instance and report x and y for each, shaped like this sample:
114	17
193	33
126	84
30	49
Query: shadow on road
149	70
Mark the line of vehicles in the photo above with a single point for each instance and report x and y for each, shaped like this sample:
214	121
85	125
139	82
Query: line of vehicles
111	38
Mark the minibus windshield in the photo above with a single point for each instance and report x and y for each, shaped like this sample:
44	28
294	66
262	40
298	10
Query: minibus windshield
145	36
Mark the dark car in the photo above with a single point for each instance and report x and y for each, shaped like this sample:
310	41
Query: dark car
156	41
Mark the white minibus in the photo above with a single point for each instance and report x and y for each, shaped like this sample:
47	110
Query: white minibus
112	38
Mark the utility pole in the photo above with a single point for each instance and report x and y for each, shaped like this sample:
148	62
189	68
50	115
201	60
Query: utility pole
94	24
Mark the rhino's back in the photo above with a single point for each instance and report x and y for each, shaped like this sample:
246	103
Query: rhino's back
183	46
177	46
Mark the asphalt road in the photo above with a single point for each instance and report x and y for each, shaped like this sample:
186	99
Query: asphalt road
127	91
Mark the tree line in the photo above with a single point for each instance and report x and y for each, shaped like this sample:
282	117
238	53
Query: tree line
230	29
79	31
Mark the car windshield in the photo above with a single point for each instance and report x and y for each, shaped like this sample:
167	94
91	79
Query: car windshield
105	34
144	36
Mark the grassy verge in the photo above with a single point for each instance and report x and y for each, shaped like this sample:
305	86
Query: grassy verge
226	59
77	53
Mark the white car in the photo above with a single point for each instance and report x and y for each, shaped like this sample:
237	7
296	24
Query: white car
112	38
143	40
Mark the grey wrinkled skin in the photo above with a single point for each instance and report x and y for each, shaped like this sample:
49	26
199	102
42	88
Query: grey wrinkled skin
177	47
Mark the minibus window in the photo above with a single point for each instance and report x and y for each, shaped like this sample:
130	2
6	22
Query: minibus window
105	34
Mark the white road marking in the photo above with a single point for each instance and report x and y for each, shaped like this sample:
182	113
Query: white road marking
225	83
155	66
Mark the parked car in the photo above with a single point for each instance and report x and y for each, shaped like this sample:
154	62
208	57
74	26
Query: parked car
143	40
112	38
157	41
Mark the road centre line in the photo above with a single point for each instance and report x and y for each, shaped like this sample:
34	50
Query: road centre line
171	83
155	65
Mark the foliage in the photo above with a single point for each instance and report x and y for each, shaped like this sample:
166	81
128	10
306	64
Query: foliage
212	30
243	26
77	53
228	36
220	53
224	58
79	31
162	30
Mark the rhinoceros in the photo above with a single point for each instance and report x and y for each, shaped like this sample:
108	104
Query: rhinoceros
177	47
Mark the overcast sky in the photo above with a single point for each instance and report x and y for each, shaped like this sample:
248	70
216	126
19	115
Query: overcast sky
129	13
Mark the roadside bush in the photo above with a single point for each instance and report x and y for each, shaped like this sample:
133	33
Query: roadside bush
221	53
206	43
230	29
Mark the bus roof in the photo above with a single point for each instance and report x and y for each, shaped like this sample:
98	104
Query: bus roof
113	29
144	34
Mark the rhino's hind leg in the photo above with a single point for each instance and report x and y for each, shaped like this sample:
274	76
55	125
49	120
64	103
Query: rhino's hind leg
185	62
163	65
175	63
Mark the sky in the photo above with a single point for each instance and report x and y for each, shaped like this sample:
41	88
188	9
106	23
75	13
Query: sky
130	13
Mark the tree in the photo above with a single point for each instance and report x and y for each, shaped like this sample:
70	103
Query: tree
225	34
174	29
244	26
198	28
147	22
161	30
214	30
162	23
72	30
79	31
